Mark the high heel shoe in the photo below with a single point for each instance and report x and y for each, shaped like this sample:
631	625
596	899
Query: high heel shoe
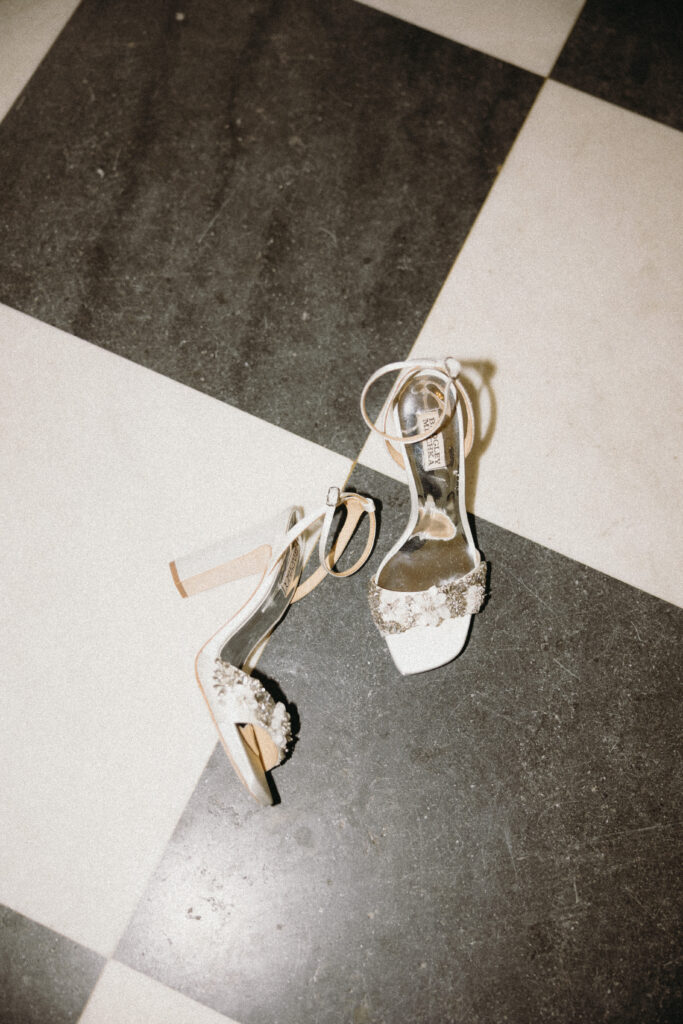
433	580
253	728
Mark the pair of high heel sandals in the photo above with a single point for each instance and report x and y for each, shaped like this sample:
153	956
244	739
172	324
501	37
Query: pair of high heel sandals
422	597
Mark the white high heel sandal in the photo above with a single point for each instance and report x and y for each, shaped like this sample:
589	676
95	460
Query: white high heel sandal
433	580
253	728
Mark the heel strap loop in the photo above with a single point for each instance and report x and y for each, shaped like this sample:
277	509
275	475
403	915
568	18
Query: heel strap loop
355	505
447	371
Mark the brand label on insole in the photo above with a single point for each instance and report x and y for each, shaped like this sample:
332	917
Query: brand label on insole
433	453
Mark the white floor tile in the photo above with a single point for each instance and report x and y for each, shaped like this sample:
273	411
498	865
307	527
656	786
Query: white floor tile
28	28
528	33
570	284
109	471
122	996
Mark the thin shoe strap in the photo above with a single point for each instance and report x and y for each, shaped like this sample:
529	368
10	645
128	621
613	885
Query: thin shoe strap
355	505
448	370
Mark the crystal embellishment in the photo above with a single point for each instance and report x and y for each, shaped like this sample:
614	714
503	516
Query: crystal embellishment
243	700
396	611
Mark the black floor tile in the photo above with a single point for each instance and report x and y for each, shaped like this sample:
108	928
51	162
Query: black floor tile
44	977
261	200
494	840
630	54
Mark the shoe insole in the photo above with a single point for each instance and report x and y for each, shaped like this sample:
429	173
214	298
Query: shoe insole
438	549
273	606
243	642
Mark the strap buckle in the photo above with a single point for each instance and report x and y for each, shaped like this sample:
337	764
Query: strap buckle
333	497
453	367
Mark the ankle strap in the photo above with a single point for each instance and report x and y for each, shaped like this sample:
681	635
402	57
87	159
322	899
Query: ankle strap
355	505
234	558
447	370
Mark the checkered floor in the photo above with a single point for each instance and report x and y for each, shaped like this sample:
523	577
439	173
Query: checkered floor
217	218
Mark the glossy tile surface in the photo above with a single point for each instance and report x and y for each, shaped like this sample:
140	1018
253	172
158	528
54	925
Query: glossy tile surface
44	977
579	315
628	53
245	215
461	845
528	33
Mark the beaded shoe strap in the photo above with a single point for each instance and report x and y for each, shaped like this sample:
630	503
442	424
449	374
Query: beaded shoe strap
395	611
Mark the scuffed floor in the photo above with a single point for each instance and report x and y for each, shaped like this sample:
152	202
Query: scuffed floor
216	220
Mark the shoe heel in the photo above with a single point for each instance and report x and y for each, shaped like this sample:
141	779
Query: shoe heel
232	558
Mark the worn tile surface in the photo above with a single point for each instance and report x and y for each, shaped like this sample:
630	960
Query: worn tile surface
628	53
264	201
476	842
29	28
528	33
123	996
114	471
244	214
44	977
580	322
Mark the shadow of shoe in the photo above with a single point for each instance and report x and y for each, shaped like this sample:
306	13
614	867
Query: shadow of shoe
478	374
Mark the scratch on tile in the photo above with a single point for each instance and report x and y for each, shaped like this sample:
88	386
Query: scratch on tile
497	714
528	589
634	897
508	843
636	831
573	674
212	221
